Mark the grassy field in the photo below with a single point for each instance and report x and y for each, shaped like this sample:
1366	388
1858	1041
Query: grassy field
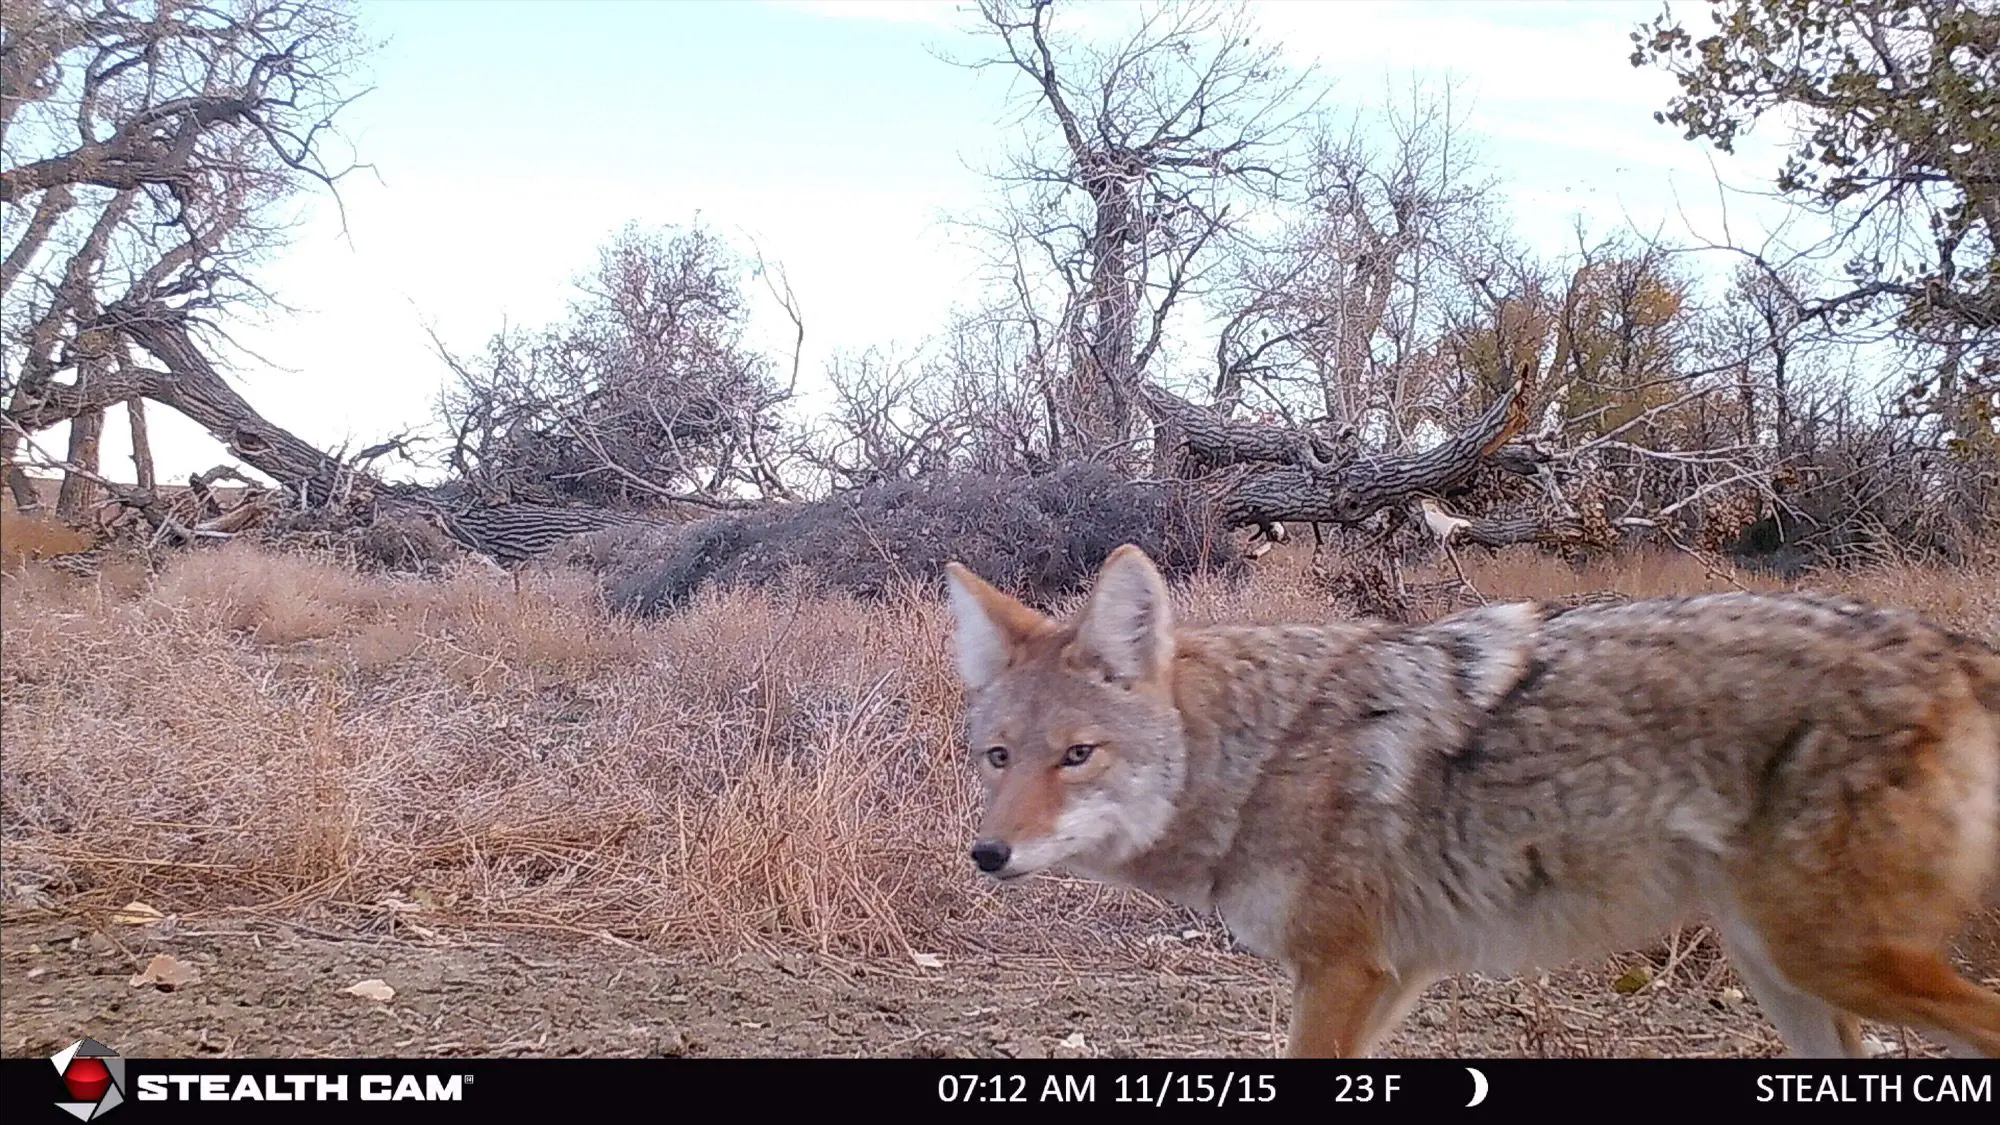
273	737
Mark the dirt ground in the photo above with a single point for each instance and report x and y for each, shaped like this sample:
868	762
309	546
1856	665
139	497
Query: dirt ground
265	989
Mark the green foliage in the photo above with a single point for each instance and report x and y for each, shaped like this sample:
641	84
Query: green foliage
1895	121
1890	91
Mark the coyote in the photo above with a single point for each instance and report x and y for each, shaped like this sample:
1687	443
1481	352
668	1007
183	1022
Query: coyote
1376	806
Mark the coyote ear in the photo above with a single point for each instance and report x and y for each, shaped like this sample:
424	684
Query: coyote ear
990	625
1129	621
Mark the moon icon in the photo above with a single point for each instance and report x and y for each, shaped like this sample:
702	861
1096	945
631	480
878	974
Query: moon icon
1479	1087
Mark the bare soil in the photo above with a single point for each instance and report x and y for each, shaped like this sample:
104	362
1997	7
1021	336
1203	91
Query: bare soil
267	989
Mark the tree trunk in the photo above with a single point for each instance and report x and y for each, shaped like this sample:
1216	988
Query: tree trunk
79	492
142	445
1287	476
26	499
1505	531
198	391
191	385
1103	384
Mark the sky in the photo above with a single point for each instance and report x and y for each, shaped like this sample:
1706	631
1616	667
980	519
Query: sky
509	138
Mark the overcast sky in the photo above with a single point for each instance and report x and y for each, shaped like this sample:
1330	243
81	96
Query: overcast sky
509	139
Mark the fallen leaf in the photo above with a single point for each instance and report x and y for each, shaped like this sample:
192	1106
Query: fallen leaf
165	973
1731	996
1635	978
424	899
372	990
1190	935
927	960
1073	1041
135	913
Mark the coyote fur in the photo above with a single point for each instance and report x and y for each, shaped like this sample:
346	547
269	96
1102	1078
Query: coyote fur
1376	806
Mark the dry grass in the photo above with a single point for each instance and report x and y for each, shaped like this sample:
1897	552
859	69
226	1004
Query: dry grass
25	538
273	733
276	733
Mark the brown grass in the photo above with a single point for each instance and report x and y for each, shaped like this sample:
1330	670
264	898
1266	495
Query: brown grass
274	733
26	538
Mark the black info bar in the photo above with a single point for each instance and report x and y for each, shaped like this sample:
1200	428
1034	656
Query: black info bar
90	1088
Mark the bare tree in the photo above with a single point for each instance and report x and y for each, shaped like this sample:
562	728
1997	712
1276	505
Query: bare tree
644	392
147	146
1336	318
969	401
1146	156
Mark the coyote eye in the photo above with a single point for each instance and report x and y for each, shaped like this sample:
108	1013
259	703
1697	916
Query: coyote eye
1077	755
997	757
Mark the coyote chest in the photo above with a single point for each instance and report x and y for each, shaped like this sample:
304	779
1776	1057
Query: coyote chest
1258	910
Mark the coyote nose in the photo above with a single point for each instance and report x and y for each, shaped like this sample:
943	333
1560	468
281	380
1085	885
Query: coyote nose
991	855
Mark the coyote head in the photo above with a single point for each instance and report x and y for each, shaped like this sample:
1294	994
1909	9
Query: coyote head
1072	723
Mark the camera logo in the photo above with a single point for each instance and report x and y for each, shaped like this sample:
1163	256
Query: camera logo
95	1076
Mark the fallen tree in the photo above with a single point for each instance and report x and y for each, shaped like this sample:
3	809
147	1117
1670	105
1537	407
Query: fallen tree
1300	476
1041	536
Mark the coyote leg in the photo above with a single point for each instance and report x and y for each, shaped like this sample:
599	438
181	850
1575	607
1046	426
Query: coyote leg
1919	988
1810	1027
1341	1009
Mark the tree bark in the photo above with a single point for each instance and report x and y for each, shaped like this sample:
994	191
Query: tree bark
1297	476
1505	531
142	445
26	499
78	493
195	389
192	386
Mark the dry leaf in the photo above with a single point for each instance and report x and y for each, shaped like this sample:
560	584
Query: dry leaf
372	990
165	973
927	960
135	914
1731	996
424	899
1635	978
1073	1041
